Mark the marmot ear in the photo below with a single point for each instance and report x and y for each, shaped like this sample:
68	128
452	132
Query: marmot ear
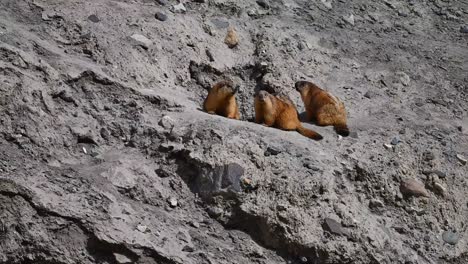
296	85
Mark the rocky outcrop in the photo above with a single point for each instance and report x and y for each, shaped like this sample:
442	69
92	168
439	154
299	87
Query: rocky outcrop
107	157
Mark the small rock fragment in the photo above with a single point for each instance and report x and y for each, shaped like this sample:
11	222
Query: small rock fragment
395	141
370	94
412	187
375	203
231	39
439	188
142	228
461	159
166	122
180	8
349	19
404	78
94	18
188	248
209	55
85	151
263	4
273	151
464	29
160	16
334	227
173	202
327	4
195	224
142	40
122	259
388	146
450	237
439	173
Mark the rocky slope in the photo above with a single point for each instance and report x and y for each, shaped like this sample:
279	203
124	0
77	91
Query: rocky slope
106	156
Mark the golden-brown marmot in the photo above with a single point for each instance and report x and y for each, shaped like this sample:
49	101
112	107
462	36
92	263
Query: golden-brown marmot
280	112
323	108
221	100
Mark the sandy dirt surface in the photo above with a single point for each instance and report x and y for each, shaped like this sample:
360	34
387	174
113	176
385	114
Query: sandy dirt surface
107	157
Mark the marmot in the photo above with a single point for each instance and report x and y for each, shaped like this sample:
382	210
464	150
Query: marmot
280	112
221	100
322	107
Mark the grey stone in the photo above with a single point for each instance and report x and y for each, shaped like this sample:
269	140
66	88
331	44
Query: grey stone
464	29
273	151
142	40
160	16
94	18
162	2
209	55
349	19
327	3
334	227
462	159
439	189
374	203
395	141
172	202
404	78
142	228
167	122
122	259
179	8
188	248
412	187
263	4
450	237
370	94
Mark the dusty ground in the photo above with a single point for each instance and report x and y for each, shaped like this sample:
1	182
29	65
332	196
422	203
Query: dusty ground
107	158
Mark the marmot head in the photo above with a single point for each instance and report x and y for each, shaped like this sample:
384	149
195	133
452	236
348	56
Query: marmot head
263	95
225	87
301	85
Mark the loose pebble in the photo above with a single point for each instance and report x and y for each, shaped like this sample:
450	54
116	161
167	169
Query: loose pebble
464	29
94	18
395	141
142	228
349	19
412	187
160	16
263	4
122	259
167	122
142	40
231	39
173	202
450	237
334	227
179	8
404	78
461	159
439	188
388	146
375	203
327	3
